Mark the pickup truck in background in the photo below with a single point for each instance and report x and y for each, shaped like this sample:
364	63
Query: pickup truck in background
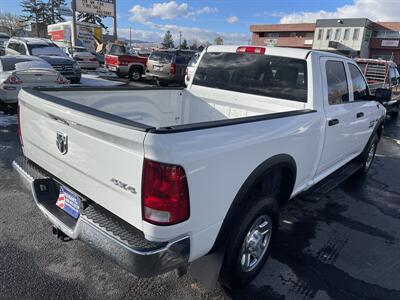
122	63
383	74
160	178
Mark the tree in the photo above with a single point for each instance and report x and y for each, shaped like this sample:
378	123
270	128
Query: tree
35	11
193	46
184	44
54	14
168	41
11	23
90	18
218	41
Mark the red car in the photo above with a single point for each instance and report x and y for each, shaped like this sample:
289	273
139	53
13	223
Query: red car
120	61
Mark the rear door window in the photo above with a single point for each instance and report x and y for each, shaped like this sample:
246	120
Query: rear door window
265	75
338	89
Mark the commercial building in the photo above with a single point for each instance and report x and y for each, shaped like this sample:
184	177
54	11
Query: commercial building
357	37
284	35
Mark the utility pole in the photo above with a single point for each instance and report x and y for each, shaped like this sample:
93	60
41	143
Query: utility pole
115	20
73	35
130	36
180	39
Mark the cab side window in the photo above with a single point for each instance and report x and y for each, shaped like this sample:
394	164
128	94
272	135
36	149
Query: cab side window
21	49
360	87
338	90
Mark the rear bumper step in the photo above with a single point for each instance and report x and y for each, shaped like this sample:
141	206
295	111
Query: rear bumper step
101	230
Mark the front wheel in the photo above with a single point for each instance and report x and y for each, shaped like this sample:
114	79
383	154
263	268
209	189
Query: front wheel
250	243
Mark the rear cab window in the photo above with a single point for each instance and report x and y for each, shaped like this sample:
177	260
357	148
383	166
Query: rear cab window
163	57
265	75
360	87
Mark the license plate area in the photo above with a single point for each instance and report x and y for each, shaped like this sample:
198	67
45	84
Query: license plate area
68	201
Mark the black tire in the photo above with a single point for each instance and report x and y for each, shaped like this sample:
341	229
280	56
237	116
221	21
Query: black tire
395	113
233	275
368	155
75	80
120	75
135	73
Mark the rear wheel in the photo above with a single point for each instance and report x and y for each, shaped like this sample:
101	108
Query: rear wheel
135	73
368	155
395	113
250	242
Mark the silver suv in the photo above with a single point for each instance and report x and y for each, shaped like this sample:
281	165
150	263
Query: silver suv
48	51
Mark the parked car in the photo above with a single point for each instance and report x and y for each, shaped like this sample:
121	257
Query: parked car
168	66
120	61
48	51
191	68
22	71
84	58
172	175
383	74
4	37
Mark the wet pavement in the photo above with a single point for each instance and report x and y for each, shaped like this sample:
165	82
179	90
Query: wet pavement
343	245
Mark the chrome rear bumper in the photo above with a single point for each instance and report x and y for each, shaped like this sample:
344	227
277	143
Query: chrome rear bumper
101	230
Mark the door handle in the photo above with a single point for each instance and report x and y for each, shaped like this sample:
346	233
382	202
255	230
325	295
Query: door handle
360	115
333	122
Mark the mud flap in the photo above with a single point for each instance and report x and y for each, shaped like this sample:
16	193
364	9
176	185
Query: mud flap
206	269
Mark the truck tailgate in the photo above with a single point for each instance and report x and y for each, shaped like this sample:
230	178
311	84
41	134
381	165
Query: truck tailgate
104	159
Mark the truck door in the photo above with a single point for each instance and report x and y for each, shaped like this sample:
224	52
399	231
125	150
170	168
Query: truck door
364	109
339	113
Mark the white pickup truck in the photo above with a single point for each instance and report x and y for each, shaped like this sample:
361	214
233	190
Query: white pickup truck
156	178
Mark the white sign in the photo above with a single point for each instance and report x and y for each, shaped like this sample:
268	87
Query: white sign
271	42
64	11
96	7
390	43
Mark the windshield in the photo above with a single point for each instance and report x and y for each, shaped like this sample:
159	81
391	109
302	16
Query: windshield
80	50
45	49
161	56
271	76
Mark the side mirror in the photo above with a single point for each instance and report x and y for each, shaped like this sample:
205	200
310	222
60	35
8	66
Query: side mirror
383	95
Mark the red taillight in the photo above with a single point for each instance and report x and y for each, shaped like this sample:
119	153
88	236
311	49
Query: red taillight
249	49
78	58
19	127
93	59
13	79
165	195
62	80
172	69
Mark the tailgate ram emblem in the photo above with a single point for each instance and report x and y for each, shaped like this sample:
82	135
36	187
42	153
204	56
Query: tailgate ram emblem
62	142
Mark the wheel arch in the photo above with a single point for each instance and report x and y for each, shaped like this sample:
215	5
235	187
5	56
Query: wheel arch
282	162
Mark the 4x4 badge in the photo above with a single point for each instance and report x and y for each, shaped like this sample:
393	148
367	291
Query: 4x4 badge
62	142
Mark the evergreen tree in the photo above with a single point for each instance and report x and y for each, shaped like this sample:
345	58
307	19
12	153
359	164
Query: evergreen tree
193	46
34	11
90	18
184	44
54	13
168	41
218	41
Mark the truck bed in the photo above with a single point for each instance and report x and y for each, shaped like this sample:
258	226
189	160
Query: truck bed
170	107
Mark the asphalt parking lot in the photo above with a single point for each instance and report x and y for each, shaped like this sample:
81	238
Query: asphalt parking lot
343	244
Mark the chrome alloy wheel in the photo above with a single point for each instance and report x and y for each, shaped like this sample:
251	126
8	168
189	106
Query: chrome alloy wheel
370	157
256	243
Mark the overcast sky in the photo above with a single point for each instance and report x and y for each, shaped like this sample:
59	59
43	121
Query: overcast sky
204	20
